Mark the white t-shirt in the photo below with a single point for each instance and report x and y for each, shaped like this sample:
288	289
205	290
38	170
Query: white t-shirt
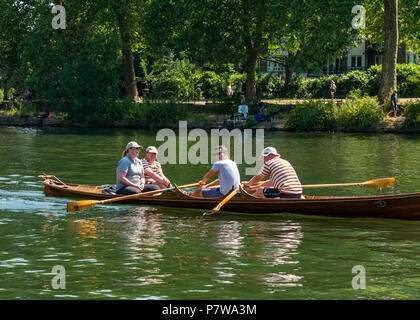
243	108
228	175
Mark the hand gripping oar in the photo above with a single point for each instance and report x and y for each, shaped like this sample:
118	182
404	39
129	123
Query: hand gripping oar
377	183
222	203
86	204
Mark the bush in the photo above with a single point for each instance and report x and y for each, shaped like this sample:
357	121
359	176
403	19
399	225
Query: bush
408	80
360	113
212	85
172	78
152	115
355	83
411	113
1	94
85	91
313	115
410	88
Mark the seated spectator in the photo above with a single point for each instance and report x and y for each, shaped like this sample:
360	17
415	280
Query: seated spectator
243	108
262	111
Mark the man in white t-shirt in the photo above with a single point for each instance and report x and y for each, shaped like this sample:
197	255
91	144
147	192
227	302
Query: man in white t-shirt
228	176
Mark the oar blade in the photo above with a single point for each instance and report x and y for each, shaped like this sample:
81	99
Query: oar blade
80	205
212	211
381	183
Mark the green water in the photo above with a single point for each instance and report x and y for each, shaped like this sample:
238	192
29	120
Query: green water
132	252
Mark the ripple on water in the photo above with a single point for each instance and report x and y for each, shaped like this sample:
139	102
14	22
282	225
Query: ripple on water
11	263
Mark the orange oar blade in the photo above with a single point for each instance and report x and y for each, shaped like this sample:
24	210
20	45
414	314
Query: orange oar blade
381	183
81	205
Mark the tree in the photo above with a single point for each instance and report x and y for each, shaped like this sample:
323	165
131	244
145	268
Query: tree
219	32
128	20
393	23
316	32
15	21
306	33
389	60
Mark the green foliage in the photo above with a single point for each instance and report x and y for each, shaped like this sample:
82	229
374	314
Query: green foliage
411	87
356	94
152	115
313	115
353	84
173	78
1	94
354	114
85	91
269	85
411	113
360	113
212	85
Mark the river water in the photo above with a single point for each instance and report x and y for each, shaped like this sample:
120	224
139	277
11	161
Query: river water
132	252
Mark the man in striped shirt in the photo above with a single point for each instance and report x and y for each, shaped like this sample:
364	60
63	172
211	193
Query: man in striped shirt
282	177
153	170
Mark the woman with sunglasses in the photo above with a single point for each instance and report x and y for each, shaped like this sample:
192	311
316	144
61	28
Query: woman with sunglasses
130	172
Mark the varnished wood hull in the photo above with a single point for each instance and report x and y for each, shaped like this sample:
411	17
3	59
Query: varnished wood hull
402	206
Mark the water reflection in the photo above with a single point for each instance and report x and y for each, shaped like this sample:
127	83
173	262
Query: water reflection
275	245
146	236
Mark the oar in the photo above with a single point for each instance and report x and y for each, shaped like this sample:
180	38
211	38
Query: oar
222	203
86	204
377	183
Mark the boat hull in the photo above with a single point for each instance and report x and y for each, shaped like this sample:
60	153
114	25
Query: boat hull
402	206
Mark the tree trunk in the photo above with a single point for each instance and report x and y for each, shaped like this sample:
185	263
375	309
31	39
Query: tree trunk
287	79
251	86
389	60
128	61
129	72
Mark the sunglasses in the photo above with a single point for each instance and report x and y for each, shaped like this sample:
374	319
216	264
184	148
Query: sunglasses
135	148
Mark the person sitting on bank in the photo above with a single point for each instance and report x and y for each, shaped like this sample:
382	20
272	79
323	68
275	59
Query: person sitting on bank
228	176
243	108
153	170
283	182
130	172
262	111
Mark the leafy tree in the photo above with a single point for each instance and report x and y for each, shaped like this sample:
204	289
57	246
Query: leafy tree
394	22
220	32
241	31
316	32
15	23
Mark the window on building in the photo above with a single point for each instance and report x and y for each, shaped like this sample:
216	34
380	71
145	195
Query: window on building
378	59
356	62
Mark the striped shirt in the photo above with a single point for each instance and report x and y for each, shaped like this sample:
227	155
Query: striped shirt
155	167
282	175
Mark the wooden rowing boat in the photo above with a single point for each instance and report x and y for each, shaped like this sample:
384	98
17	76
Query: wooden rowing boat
401	206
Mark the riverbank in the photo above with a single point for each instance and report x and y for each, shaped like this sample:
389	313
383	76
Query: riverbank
204	115
388	125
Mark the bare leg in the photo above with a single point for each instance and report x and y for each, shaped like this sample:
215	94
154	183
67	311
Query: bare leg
197	193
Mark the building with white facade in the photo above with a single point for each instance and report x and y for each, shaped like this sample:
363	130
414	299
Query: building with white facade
360	57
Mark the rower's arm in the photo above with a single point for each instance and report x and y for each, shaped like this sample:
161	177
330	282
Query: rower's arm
213	183
254	180
157	177
207	176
